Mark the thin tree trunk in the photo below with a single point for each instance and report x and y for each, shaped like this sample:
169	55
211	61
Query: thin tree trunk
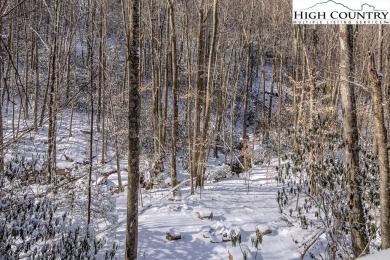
116	143
37	82
350	134
175	86
198	97
165	111
248	77
210	72
52	122
221	105
248	83
263	76
72	106
1	102
270	103
103	67
381	137
44	104
189	103
26	74
280	115
90	66
233	107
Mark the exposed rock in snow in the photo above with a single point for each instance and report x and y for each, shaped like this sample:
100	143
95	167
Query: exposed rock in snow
264	229
173	234
204	213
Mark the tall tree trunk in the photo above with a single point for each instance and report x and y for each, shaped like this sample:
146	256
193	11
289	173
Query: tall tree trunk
102	78
2	87
280	115
116	142
52	122
248	78
270	103
134	107
375	143
165	111
233	106
175	86
90	67
381	137
189	101
156	68
350	134
26	74
37	82
198	95
248	83
221	105
263	107
210	73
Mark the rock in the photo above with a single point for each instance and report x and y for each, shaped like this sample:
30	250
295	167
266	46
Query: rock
264	229
174	207
205	214
173	234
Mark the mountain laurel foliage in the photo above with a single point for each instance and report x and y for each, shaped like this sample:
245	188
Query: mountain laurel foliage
315	194
38	226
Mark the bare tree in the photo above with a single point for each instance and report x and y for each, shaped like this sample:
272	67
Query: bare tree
3	6
200	65
205	137
175	85
90	44
350	134
52	99
131	25
381	138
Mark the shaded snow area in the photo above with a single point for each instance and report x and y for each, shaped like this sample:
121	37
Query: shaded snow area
381	255
233	211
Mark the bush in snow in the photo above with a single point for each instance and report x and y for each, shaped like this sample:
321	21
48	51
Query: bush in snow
32	225
320	186
218	173
103	205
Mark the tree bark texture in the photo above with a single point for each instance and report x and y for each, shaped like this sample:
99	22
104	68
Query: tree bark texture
350	136
381	138
134	106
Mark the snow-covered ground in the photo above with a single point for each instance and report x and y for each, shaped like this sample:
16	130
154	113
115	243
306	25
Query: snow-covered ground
381	255
232	207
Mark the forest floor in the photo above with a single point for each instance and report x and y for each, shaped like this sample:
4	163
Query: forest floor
233	208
